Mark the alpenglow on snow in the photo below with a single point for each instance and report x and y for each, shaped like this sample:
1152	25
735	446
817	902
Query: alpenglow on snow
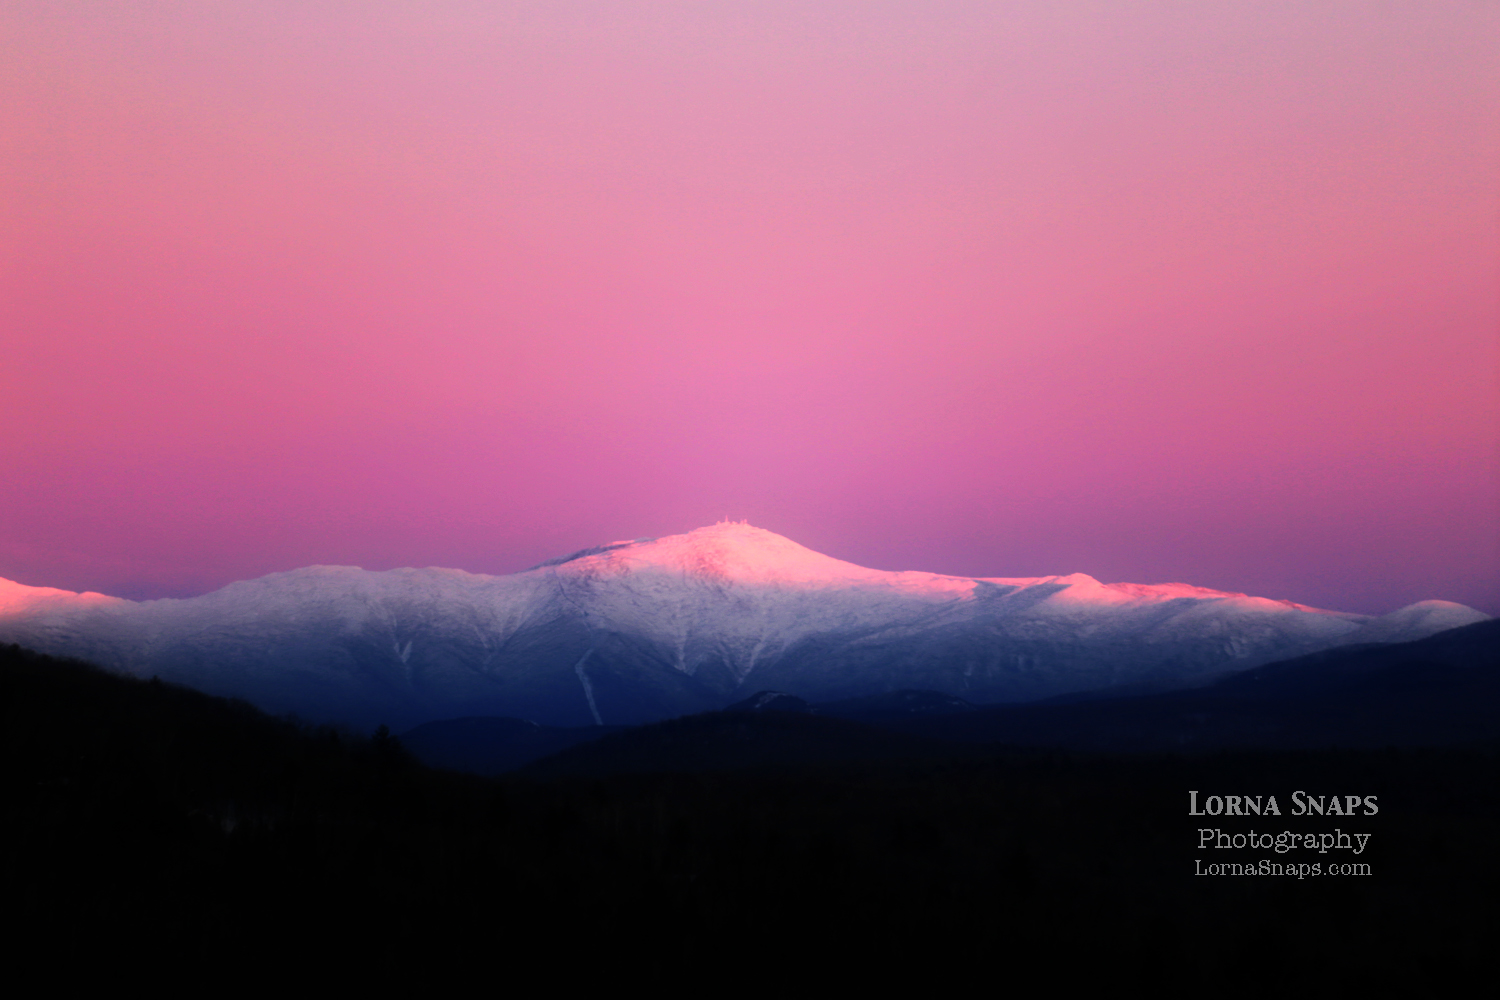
648	629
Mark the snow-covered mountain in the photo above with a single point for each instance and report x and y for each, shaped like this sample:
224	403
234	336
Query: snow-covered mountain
653	628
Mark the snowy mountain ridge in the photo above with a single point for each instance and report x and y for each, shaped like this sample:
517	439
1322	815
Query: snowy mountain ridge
652	628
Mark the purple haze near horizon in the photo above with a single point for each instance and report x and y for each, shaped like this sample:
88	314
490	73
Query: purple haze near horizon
1150	291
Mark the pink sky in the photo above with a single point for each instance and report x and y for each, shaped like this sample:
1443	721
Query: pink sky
1149	291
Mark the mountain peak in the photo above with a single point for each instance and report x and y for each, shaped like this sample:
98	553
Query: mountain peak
729	550
1417	621
736	552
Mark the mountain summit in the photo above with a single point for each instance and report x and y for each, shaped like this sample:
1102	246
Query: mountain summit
647	629
733	552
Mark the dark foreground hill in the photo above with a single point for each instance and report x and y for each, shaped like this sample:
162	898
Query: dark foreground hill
737	741
149	828
493	744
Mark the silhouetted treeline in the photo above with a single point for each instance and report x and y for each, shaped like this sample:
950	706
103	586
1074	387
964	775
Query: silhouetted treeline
158	824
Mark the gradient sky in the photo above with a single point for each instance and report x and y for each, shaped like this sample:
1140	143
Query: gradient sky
1150	291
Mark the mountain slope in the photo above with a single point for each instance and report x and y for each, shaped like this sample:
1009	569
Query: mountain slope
1441	690
636	631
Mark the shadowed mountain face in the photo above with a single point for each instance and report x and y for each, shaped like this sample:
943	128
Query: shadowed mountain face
649	629
1439	691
